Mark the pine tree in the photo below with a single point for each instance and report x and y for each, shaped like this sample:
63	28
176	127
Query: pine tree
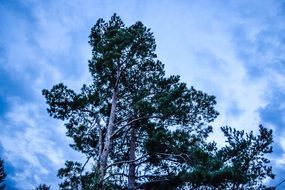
2	175
142	130
43	187
240	165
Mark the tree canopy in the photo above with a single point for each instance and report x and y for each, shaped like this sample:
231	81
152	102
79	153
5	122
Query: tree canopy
2	175
141	129
43	187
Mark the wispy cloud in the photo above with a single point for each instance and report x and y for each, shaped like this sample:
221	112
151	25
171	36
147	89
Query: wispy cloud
233	50
30	143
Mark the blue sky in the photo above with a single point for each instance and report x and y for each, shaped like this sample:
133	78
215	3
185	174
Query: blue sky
231	49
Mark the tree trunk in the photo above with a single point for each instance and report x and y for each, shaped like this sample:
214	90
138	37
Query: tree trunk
107	140
132	157
100	148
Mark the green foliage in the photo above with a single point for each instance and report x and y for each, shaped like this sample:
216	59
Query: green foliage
74	179
240	165
245	156
170	122
2	175
43	187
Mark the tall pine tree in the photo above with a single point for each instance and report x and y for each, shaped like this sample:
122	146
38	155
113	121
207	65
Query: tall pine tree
142	129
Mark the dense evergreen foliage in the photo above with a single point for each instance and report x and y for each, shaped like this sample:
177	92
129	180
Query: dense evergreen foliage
43	187
2	175
140	129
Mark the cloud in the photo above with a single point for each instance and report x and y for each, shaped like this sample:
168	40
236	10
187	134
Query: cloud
30	143
233	50
29	138
201	43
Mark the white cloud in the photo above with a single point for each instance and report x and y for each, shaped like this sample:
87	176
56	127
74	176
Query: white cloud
200	46
205	43
30	138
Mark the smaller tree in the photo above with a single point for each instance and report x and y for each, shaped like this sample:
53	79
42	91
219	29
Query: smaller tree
75	179
240	165
43	187
245	157
2	175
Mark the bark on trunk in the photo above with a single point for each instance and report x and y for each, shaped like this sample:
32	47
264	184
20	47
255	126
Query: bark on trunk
100	148
107	140
132	157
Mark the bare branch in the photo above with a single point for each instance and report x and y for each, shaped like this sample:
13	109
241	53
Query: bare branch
182	156
154	181
126	162
132	121
279	183
114	174
82	169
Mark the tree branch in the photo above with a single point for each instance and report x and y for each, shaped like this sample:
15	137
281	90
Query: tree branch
182	155
279	183
154	181
132	121
85	165
126	162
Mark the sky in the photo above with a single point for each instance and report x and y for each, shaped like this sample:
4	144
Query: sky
233	50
